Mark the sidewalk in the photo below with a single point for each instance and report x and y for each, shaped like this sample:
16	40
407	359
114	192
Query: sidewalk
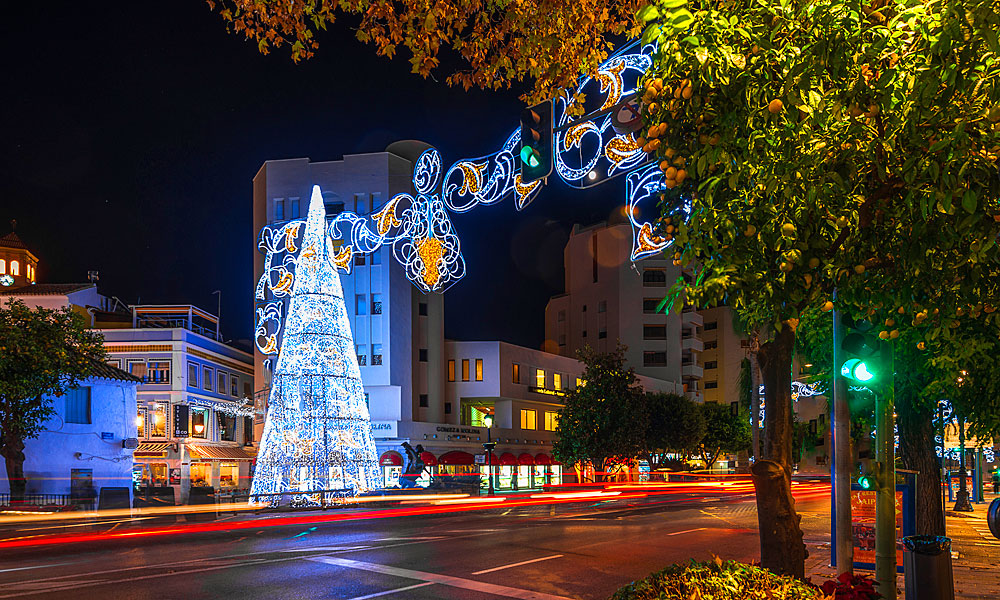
975	556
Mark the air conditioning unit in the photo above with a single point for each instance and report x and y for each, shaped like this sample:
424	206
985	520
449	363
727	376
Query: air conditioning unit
130	443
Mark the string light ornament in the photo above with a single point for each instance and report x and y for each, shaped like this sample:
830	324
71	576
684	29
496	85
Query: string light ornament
317	433
642	190
799	390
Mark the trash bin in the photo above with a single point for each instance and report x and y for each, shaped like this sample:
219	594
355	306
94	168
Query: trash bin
927	568
993	517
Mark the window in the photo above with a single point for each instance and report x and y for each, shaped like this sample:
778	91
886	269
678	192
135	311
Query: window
551	420
227	427
602	306
602	333
422	309
158	371
562	339
423	400
654	332
451	370
584	308
279	209
465	369
140	423
515	373
78	405
192	375
199	423
654	359
528	419
539	378
15	268
593	252
158	423
579	382
744	343
376	304
583	333
137	368
711	385
711	344
376	354
3	266
361	203
447	408
479	369
114	362
247	390
649	305
712	364
206	378
293	208
361	305
220	385
248	430
362	352
234	386
376	201
359	259
377	257
711	325
556	381
654	278
422	353
561	316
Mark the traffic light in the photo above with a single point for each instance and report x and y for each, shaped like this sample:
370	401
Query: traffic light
868	469
536	142
859	353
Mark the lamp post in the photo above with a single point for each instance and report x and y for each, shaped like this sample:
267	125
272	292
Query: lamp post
489	446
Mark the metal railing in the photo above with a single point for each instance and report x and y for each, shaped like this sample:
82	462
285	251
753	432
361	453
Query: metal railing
38	500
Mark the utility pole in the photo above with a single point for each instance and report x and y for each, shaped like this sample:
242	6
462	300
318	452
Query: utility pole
840	475
218	315
885	495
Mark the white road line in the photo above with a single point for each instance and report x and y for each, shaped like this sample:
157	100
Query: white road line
325	549
687	531
517	564
34	567
467	584
387	592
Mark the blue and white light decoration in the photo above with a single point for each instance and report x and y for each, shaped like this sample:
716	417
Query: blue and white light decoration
317	436
799	390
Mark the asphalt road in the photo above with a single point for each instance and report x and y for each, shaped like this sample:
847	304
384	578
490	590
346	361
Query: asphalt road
581	551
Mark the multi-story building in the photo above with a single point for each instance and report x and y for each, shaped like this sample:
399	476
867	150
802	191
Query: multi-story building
17	263
610	299
194	407
724	350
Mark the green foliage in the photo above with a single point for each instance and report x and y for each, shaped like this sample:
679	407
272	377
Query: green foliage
43	353
719	580
603	419
725	432
675	424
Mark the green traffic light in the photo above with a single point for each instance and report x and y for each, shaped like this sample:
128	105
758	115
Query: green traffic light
857	370
861	372
866	482
530	156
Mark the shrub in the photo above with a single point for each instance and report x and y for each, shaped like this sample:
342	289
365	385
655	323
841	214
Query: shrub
717	580
851	587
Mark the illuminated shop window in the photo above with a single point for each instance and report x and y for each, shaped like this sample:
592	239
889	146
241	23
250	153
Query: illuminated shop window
528	419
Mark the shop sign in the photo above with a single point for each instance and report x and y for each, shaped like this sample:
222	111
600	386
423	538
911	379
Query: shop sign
480	459
180	420
175	476
384	429
107	435
457	430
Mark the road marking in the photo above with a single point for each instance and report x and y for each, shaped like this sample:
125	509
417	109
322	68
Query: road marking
387	592
467	584
325	549
34	567
397	539
687	531
517	564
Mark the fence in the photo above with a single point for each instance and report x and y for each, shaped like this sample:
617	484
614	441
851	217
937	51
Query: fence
39	500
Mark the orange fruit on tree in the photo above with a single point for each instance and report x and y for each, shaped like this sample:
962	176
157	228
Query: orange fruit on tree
827	306
681	175
775	106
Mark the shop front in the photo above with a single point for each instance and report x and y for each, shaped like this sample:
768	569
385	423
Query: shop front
224	468
391	464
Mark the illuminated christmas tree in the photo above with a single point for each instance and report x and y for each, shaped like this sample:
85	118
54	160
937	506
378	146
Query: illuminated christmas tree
318	433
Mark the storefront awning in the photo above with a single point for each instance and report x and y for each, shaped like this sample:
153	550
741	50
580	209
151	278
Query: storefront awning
525	459
542	459
391	458
151	450
219	453
507	460
429	459
456	457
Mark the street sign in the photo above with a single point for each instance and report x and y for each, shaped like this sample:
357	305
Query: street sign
628	117
480	459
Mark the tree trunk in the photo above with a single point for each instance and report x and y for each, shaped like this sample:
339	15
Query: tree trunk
13	453
916	446
781	548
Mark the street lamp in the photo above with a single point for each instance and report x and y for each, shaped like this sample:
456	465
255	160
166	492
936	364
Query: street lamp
489	446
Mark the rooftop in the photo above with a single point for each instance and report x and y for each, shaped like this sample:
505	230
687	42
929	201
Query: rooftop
46	289
106	371
12	241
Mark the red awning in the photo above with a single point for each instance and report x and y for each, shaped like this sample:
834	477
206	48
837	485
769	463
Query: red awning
507	460
429	459
542	459
219	452
525	459
391	458
456	457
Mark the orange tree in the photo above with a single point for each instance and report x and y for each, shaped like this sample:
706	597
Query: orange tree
550	42
826	144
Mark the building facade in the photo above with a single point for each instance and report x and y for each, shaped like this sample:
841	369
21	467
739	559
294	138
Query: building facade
610	299
85	446
194	409
17	263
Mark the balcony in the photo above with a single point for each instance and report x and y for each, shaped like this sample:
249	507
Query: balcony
692	344
691	371
691	318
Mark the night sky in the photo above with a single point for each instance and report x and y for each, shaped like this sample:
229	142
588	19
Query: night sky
131	133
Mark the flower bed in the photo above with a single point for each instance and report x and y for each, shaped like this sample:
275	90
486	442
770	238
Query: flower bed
717	580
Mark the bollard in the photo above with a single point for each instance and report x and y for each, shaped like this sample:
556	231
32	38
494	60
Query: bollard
927	568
